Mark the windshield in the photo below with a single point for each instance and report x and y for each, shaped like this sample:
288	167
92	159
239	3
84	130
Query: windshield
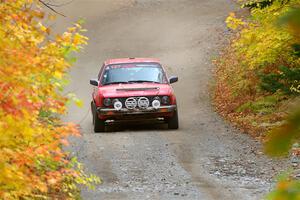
133	73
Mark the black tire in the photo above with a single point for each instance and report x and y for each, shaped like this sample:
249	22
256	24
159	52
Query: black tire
99	125
173	121
92	110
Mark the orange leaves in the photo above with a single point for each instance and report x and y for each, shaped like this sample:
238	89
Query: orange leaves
37	13
235	96
32	71
15	17
69	129
283	185
286	188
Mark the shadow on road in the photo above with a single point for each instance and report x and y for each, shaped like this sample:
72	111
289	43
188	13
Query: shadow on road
136	126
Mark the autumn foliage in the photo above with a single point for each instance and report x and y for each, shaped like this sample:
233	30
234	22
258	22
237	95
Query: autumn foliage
259	72
33	63
258	81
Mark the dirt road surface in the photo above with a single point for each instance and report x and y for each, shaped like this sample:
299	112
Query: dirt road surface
205	158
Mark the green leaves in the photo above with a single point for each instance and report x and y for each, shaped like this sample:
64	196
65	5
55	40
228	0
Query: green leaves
280	140
291	19
261	4
283	80
286	189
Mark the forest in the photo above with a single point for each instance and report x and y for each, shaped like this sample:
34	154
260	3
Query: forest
257	79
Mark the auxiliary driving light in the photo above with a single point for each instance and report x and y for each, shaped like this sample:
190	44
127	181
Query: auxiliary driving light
118	105
156	104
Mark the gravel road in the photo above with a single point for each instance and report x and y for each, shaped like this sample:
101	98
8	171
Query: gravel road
205	158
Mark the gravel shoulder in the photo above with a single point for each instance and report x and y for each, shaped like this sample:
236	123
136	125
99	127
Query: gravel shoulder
205	158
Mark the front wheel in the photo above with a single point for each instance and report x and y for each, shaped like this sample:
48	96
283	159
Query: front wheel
173	121
99	125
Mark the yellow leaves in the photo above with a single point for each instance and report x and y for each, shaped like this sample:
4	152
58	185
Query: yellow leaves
13	127
72	29
262	43
32	74
78	39
66	37
51	17
72	38
38	14
45	29
233	22
58	74
72	97
79	103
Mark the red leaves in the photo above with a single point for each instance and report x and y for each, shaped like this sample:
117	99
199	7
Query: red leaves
31	76
14	101
229	96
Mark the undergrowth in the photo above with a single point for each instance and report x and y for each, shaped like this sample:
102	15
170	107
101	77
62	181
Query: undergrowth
258	74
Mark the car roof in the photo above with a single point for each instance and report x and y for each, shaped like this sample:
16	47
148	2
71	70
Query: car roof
131	60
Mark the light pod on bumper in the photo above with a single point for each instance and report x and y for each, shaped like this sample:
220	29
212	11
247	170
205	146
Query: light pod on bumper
117	104
156	104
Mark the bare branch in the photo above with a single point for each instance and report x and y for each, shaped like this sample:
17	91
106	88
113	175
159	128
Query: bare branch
49	6
59	5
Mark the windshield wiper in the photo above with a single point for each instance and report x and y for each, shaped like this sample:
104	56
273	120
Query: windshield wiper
117	82
142	81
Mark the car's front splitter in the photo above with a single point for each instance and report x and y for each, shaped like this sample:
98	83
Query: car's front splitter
163	111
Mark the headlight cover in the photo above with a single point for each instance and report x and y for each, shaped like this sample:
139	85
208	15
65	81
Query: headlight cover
156	104
117	104
107	102
165	100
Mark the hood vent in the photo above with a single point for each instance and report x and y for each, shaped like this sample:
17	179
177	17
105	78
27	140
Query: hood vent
138	89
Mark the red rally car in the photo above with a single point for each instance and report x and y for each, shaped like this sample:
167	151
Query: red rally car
133	89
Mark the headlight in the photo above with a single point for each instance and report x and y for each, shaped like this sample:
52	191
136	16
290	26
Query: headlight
107	102
117	104
165	100
155	104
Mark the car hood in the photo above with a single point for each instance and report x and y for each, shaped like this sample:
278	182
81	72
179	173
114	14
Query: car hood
136	89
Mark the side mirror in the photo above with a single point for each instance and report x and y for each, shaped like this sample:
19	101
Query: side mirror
94	82
173	79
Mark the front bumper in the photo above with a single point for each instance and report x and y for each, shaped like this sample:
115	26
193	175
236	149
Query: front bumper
163	111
